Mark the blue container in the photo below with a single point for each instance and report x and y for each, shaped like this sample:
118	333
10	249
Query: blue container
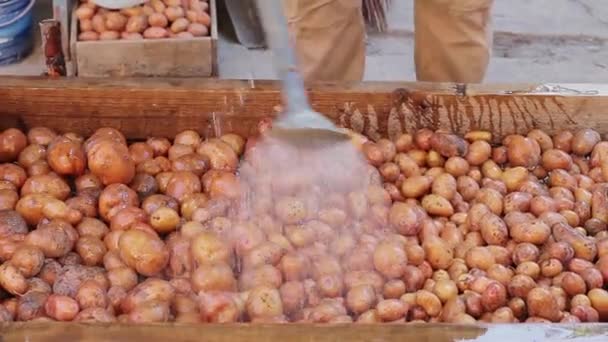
15	30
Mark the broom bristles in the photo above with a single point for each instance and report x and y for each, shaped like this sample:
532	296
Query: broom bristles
374	12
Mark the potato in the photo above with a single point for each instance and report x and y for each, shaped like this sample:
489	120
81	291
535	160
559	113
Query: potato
264	302
218	277
390	259
479	257
155	32
111	162
554	159
292	296
123	277
31	305
66	157
53	240
494	296
11	222
522	151
30	154
416	186
150	290
12	142
41	135
438	253
91	249
91	295
142	251
493	229
150	312
573	284
84	12
448	145
12	280
207	248
429	302
219	307
28	260
517	202
391	309
541	303
406	219
584	140
131	36
536	232
198	30
220	155
491	198
599	301
174	13
109	35
479	152
114	198
437	205
164	220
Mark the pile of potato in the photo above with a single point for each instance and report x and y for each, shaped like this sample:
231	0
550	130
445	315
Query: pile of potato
444	229
154	20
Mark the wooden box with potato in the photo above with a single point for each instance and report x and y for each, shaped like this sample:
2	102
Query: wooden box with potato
108	215
173	38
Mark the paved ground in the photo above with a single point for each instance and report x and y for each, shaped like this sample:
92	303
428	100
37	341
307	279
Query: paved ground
535	41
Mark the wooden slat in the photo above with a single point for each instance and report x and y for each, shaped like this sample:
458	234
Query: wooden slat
144	107
298	332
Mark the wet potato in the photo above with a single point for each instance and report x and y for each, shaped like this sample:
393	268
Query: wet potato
448	230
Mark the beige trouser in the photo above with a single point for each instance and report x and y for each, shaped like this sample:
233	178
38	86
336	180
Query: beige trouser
453	39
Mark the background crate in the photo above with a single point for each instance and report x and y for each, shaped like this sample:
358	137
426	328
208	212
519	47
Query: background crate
193	57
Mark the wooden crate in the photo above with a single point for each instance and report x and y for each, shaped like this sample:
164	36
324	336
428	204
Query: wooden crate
163	107
194	57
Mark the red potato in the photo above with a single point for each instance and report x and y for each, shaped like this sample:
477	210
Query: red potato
53	240
31	305
66	157
114	198
198	29
12	142
28	260
61	308
264	302
390	259
12	280
142	251
110	161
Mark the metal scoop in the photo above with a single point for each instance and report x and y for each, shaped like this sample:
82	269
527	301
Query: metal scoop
299	125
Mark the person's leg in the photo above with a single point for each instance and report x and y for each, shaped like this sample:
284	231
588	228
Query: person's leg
329	37
453	40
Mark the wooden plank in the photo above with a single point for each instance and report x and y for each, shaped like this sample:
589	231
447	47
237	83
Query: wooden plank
193	57
297	332
144	107
149	57
139	106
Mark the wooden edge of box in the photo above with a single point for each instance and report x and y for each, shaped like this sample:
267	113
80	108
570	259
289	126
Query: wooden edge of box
210	332
214	38
377	109
74	40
